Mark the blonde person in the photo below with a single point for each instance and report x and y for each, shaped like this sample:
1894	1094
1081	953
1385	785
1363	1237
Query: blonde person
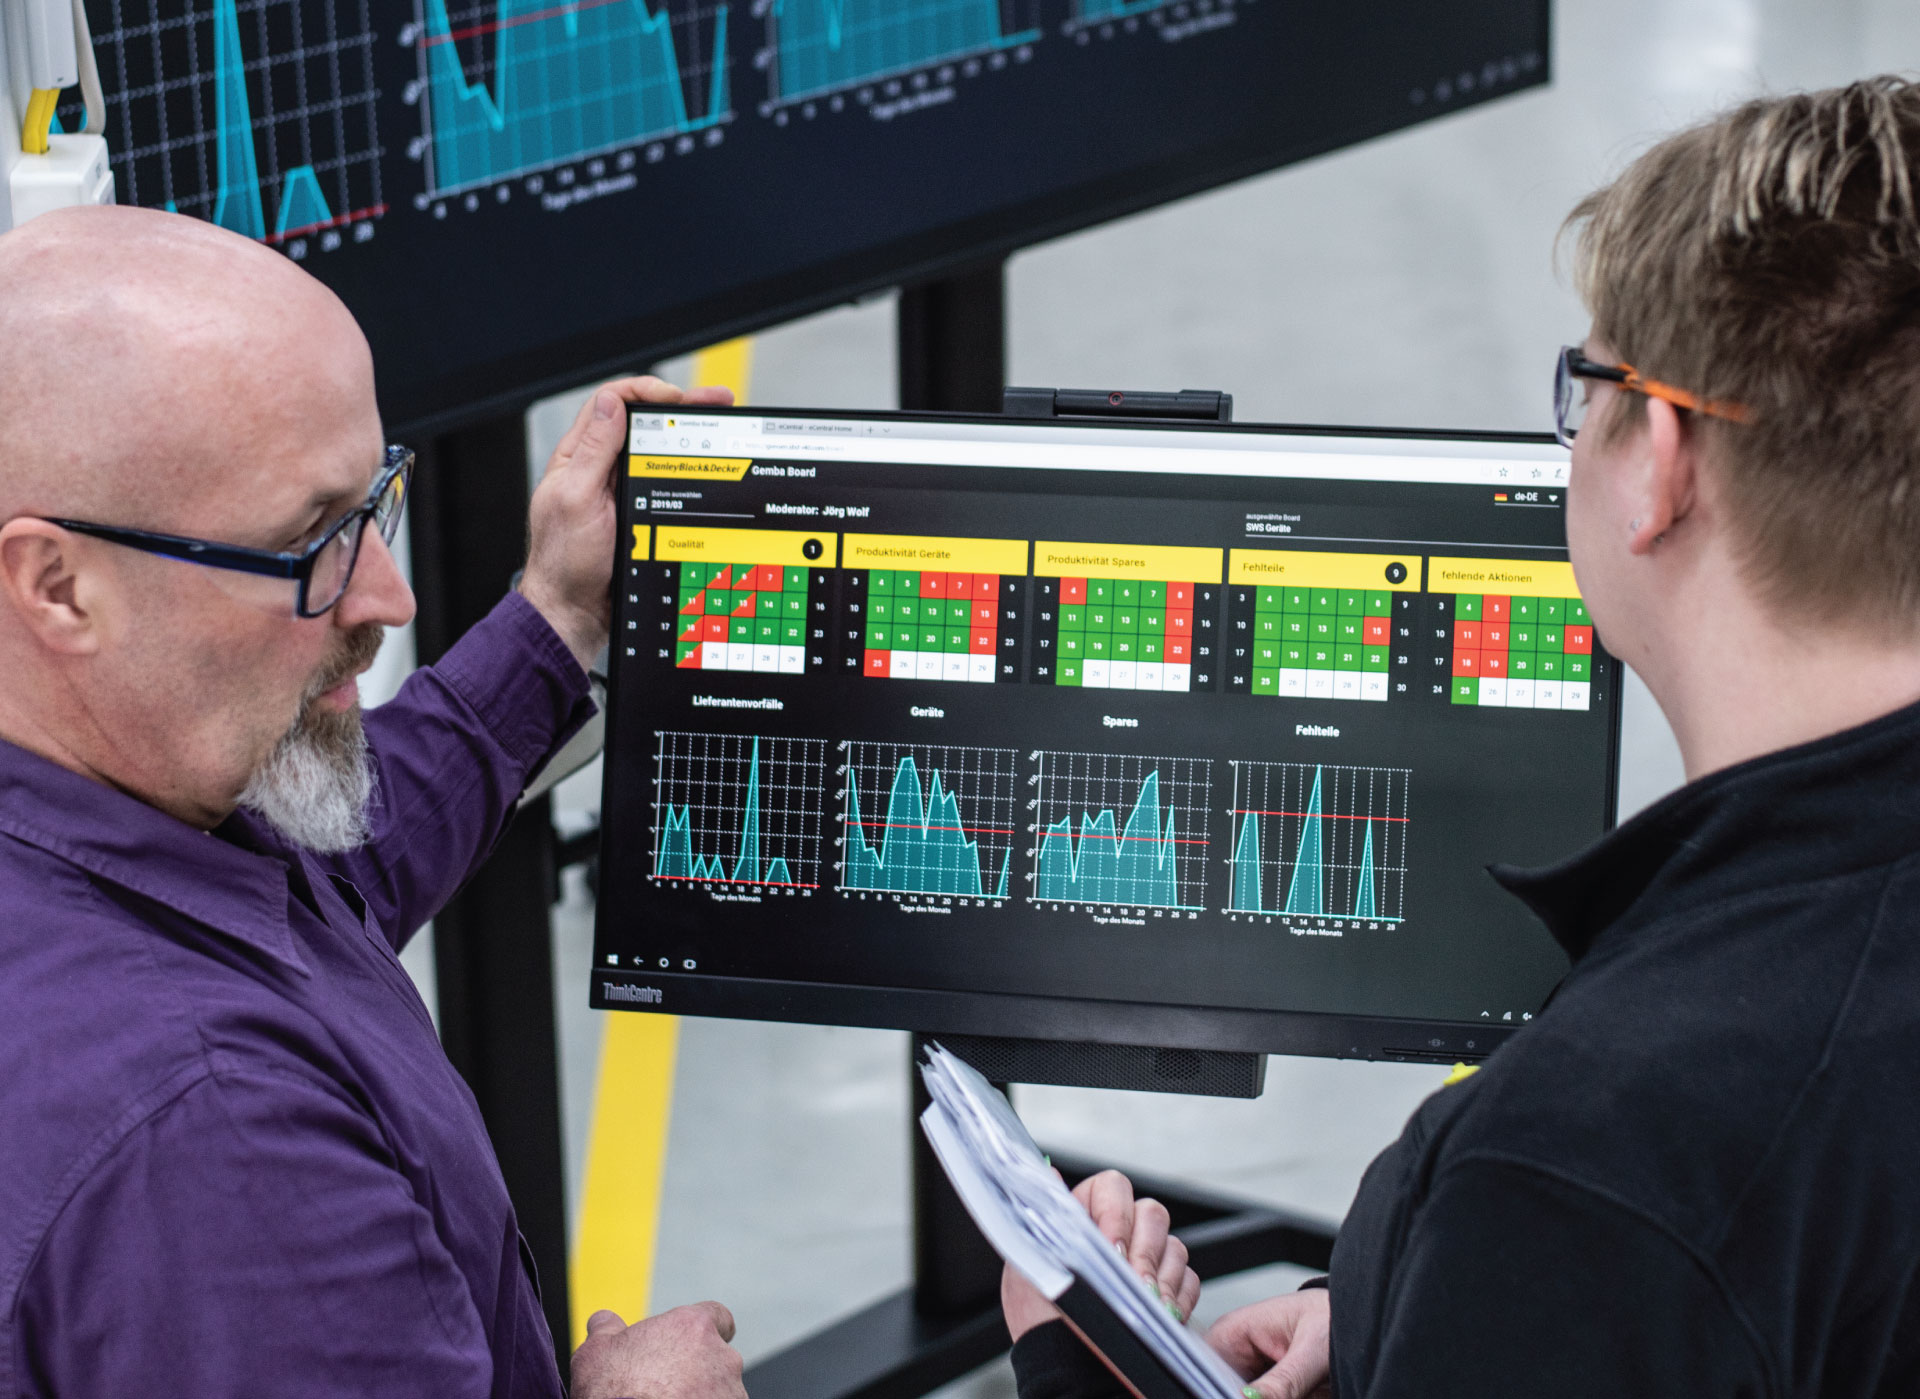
1695	1173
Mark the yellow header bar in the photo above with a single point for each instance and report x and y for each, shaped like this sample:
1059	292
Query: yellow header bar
935	551
1501	577
781	546
643	541
690	468
1393	573
1160	563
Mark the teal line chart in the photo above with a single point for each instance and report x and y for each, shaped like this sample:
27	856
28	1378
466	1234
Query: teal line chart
256	115
1102	11
511	87
928	820
821	46
738	810
1121	829
1315	842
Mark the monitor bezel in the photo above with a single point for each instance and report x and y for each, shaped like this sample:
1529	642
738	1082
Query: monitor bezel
1067	1020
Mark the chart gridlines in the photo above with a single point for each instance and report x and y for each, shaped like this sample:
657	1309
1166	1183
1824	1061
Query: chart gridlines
515	86
820	46
738	809
929	820
1313	841
1102	11
256	115
1122	829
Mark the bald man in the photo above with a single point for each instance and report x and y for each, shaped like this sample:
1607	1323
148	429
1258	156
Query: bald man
233	1158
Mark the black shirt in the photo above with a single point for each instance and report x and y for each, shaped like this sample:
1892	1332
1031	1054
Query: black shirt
1697	1173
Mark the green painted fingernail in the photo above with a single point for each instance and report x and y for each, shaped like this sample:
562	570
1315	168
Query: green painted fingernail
1251	1393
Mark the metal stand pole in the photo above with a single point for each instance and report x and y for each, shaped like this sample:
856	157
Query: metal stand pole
493	943
953	342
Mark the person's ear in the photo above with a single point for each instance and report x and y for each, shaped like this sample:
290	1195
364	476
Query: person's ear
1669	484
40	579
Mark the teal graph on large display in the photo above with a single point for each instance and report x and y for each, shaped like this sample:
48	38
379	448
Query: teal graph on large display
738	809
820	46
275	138
1102	11
929	820
1121	829
1313	841
516	86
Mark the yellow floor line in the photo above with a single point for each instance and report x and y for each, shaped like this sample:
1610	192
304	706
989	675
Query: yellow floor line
612	1264
729	363
612	1258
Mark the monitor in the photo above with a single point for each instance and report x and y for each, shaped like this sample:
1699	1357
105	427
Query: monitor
515	195
1186	736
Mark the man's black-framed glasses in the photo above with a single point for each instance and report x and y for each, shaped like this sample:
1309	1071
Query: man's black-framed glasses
322	569
1570	405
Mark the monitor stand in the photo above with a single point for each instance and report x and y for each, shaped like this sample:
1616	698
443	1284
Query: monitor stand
952	346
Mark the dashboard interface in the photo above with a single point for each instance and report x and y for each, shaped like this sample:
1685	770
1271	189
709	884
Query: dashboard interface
921	720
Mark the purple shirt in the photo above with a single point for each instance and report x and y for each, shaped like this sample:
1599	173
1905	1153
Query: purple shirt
233	1158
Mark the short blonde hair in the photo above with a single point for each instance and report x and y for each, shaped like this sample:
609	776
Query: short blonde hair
1771	256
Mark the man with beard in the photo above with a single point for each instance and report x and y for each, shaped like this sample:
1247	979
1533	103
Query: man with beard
233	1158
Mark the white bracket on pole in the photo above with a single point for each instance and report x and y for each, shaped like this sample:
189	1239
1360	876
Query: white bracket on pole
44	47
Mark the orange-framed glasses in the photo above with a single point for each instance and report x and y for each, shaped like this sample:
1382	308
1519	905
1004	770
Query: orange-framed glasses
1570	407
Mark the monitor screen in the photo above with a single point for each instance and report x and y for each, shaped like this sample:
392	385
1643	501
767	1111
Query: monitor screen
513	195
1174	736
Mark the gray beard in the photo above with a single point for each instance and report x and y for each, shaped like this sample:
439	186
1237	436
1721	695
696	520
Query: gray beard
316	786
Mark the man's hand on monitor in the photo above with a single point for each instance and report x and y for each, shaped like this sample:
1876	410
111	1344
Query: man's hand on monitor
569	573
1139	1229
681	1354
1279	1346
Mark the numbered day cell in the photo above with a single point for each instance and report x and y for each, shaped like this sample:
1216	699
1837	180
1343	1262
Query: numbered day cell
1126	617
934	608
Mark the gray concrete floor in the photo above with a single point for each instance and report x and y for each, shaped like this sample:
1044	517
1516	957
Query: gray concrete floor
1409	282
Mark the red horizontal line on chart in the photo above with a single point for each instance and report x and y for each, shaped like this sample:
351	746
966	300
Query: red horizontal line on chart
964	830
757	883
373	211
494	26
1323	815
1157	840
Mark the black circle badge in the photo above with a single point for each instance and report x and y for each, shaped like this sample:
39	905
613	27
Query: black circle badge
813	549
1396	573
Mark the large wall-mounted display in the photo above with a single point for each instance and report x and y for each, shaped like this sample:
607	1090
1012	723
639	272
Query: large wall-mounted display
515	194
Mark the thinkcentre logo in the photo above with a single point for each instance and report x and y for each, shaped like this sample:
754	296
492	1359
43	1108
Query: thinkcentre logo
645	995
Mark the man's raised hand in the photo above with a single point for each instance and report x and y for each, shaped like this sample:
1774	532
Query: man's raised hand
1280	1345
681	1354
569	575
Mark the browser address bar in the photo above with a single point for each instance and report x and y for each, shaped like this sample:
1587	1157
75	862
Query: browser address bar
1036	456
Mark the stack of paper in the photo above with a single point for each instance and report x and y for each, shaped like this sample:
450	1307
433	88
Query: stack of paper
1038	1227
